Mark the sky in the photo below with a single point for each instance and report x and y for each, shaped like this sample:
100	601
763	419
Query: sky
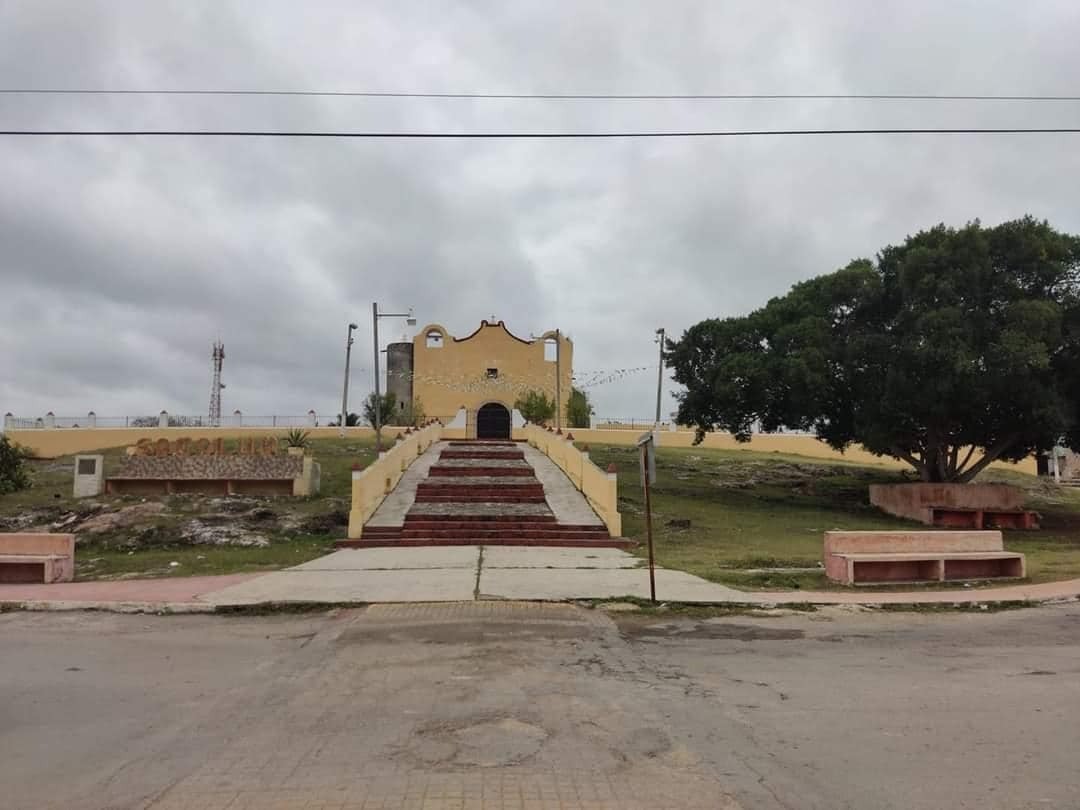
122	260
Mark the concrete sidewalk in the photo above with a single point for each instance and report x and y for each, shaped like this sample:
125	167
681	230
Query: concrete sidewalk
469	573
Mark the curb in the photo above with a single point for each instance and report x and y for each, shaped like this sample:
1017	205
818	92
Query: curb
278	606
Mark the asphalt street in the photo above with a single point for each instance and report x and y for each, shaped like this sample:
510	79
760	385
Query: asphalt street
526	705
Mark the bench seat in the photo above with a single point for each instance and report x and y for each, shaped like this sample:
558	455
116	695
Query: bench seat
876	558
877	569
33	557
966	518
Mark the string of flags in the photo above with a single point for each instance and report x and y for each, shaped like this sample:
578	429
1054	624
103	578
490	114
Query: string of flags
482	382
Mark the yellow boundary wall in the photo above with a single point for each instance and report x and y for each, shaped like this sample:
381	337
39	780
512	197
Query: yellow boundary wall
599	487
373	483
54	442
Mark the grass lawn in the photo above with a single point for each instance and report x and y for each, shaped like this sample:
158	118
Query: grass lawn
754	513
751	516
298	529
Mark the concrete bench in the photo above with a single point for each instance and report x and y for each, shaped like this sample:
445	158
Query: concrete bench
30	557
963	518
876	558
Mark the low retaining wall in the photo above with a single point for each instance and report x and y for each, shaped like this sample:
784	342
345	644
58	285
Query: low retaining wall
599	488
914	501
373	483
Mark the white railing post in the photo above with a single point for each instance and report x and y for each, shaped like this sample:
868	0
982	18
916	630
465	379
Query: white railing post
312	420
50	420
9	420
237	418
91	420
163	419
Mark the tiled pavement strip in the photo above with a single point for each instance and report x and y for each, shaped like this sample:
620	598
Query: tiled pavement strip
359	730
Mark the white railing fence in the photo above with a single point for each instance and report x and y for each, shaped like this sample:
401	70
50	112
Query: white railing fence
164	419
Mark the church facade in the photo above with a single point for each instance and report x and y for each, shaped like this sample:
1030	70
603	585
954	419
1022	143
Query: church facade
474	381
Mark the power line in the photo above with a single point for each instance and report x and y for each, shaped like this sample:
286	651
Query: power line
731	133
549	96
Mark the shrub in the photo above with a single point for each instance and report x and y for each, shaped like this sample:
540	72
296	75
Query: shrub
13	475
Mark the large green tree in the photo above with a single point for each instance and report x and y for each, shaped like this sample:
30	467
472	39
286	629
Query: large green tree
956	348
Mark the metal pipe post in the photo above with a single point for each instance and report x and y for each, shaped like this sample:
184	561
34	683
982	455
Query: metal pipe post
378	415
660	375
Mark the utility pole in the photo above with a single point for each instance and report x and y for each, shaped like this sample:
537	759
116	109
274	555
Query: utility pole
375	315
345	390
660	374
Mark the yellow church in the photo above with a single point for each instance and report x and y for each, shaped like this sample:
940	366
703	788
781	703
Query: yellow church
474	381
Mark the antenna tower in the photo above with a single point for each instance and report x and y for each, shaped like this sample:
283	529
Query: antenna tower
215	387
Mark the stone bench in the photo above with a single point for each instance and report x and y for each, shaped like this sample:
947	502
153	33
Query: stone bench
963	518
894	557
30	557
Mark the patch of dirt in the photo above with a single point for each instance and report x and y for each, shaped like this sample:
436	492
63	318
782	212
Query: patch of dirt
635	627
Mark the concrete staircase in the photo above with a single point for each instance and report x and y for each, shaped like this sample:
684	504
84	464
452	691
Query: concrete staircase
483	493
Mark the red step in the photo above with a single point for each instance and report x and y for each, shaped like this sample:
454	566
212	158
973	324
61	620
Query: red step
502	526
412	542
481	494
448	470
423	498
496	534
517	455
481	518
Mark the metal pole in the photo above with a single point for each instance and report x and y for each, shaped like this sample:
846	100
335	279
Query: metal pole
345	389
558	380
660	375
648	522
378	415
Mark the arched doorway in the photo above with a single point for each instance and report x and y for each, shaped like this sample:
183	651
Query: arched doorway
493	422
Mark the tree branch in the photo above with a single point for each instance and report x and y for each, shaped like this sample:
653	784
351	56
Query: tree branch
960	467
990	456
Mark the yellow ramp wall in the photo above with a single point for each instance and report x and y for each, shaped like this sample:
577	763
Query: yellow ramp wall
373	483
599	487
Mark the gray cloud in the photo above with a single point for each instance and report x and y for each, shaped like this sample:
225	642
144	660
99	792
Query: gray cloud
121	261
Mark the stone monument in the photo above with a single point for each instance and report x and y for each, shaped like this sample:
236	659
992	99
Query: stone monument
89	476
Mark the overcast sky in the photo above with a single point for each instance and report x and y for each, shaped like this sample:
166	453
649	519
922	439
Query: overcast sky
121	260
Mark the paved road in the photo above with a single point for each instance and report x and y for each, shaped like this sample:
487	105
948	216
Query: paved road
518	705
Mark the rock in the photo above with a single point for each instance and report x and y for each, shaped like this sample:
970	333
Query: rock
196	532
325	523
123	518
679	523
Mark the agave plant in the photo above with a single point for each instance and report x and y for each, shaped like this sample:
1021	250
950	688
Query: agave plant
296	437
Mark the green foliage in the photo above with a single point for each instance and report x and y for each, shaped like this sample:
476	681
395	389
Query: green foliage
957	339
387	409
536	407
13	475
297	437
411	413
579	410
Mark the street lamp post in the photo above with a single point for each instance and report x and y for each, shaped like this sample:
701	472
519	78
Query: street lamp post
345	389
375	315
660	374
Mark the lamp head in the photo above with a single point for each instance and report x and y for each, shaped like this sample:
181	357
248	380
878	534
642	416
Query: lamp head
411	321
353	326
